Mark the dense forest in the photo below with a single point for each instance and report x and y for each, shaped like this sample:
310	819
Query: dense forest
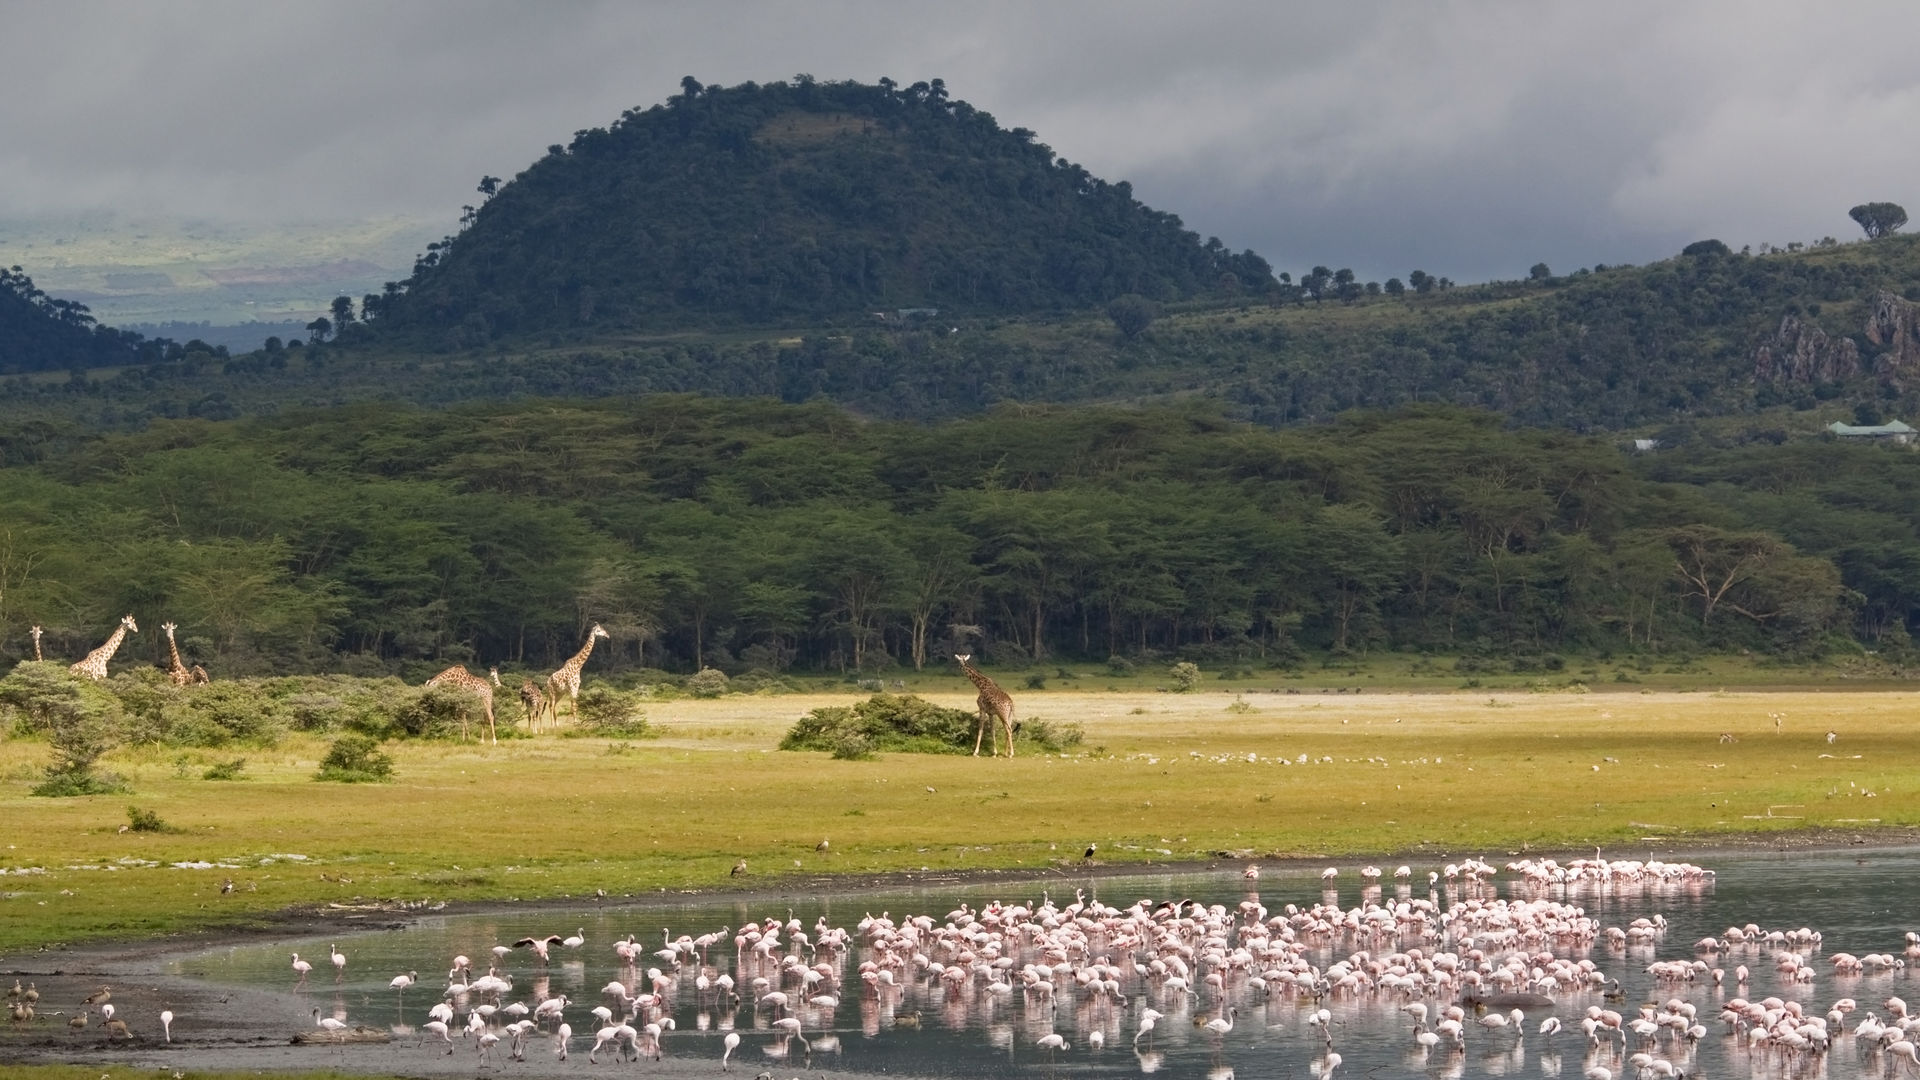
45	333
794	203
750	534
1663	345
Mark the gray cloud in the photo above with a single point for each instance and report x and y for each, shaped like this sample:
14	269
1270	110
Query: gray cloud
1470	139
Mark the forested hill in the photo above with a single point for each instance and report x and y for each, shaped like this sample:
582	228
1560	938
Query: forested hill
795	203
43	333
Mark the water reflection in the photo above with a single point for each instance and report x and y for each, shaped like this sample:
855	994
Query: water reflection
1191	975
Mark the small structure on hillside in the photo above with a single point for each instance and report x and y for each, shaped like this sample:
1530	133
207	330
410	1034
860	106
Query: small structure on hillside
1892	431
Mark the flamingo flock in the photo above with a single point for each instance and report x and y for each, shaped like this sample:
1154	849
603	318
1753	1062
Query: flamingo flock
1458	971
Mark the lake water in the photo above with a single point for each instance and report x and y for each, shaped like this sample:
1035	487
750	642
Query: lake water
1861	903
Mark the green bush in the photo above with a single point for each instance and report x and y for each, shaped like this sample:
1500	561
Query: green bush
609	712
226	770
355	759
708	683
1046	735
80	719
1185	676
1036	681
437	712
1119	667
141	820
904	723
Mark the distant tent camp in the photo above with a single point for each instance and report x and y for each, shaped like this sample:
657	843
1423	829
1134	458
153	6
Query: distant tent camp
1893	430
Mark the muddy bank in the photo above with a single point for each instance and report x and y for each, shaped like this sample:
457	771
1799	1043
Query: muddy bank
251	1029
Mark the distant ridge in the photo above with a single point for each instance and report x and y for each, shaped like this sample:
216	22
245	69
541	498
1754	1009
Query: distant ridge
792	203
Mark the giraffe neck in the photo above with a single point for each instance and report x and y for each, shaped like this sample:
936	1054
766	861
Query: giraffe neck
36	645
579	660
979	679
175	651
105	652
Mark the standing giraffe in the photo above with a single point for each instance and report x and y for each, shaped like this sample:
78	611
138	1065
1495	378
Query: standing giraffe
567	679
993	704
459	678
535	703
36	644
177	672
95	665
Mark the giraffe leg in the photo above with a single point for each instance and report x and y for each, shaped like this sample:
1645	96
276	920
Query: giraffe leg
979	733
492	735
1006	721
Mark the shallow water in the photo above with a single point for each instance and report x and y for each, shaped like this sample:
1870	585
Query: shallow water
1860	904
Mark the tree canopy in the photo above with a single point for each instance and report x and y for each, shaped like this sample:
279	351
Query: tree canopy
798	201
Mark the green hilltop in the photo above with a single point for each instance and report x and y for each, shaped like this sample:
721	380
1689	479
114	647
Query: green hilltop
796	202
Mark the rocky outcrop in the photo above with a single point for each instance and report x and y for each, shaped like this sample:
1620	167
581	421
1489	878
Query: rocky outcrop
1894	325
1800	352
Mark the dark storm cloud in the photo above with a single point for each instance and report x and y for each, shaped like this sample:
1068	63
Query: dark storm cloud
1467	139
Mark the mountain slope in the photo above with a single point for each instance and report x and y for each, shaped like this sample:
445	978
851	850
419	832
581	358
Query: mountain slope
41	333
794	203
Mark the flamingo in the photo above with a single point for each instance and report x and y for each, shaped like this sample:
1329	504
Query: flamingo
437	1027
166	1023
401	982
301	967
1148	1017
732	1043
578	939
328	1024
339	962
562	1035
1219	1026
1053	1042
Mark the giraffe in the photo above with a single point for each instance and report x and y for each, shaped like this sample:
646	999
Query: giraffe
177	672
459	678
567	679
36	644
993	704
95	665
535	703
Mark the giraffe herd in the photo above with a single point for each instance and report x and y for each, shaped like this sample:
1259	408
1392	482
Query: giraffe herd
994	705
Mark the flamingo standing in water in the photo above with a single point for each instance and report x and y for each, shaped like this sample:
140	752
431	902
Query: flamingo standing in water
732	1043
166	1023
339	962
301	967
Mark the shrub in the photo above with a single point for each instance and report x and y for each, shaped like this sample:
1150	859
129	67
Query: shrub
1119	666
853	746
140	820
885	722
226	770
905	723
1185	676
437	712
1036	681
610	712
1049	736
355	759
81	721
708	683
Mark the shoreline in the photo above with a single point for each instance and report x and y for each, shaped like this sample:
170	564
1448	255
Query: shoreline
246	1029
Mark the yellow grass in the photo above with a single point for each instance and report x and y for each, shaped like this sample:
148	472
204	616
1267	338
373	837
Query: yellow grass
1161	778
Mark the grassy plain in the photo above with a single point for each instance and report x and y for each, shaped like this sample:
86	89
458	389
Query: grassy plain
1160	778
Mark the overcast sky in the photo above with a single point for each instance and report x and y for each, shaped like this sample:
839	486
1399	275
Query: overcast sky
1468	139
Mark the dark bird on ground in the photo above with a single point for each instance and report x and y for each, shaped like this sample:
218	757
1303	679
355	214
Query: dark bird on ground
1087	856
738	868
821	846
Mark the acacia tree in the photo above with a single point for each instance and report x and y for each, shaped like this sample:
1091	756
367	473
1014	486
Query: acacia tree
1879	219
